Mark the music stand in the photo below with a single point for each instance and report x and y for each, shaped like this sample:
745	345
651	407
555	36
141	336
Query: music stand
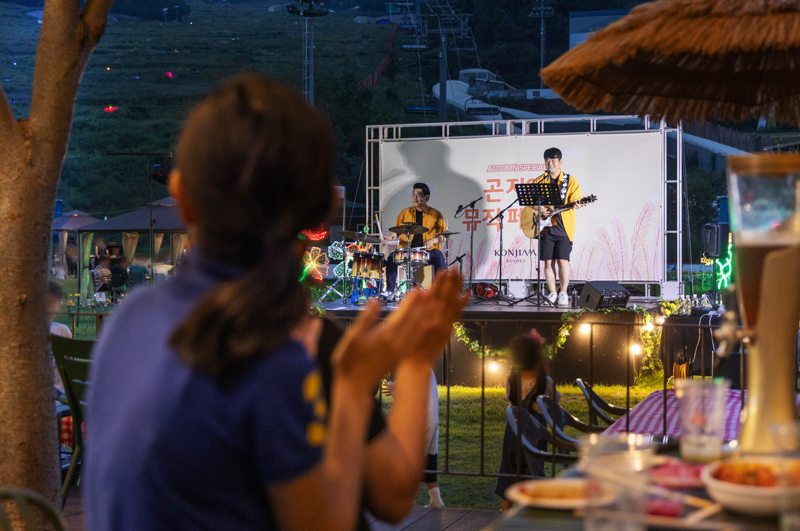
535	195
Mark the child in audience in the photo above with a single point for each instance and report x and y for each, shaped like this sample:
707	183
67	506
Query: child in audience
206	408
528	369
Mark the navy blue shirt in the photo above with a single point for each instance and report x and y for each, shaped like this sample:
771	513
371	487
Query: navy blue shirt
167	447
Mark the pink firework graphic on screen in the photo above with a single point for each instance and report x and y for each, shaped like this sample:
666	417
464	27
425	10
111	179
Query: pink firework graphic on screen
624	260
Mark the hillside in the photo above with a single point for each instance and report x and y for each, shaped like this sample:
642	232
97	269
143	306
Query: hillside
152	72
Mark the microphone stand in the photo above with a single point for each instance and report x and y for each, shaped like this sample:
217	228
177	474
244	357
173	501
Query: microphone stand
471	241
500	296
460	260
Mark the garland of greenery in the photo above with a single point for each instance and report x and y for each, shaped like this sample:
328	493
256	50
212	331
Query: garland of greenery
649	341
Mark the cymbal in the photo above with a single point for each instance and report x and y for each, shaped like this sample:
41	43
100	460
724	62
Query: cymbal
359	236
447	233
409	228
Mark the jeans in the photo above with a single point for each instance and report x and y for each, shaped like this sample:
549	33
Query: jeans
435	258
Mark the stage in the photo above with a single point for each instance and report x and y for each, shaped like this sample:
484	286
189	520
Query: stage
493	325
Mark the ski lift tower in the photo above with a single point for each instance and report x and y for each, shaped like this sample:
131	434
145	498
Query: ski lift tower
309	10
542	9
444	25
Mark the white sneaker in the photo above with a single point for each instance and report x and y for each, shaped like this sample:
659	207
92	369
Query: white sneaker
563	300
552	297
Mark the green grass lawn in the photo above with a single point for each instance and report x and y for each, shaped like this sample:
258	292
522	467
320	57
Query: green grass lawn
465	425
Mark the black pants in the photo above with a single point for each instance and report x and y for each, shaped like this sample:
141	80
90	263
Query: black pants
431	463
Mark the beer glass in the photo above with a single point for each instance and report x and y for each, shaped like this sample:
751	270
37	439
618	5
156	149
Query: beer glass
765	218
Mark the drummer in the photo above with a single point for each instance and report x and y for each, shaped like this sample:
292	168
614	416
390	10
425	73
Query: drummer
428	217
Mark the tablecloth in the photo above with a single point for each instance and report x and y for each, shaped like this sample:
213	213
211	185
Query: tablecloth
647	416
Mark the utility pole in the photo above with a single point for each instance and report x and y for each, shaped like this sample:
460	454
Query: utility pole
308	11
543	10
308	60
443	78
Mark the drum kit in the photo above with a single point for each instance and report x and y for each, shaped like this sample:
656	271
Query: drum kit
363	269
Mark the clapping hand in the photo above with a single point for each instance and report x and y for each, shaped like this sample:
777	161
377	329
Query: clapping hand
418	330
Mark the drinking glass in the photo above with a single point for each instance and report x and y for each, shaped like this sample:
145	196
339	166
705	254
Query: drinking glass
765	218
701	406
787	441
616	471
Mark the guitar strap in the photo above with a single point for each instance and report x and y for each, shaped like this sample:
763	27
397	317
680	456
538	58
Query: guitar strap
564	189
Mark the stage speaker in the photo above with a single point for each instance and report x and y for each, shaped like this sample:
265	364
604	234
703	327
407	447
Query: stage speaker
603	294
715	239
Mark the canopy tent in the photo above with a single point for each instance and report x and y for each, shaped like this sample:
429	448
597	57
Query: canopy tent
165	213
166	217
69	222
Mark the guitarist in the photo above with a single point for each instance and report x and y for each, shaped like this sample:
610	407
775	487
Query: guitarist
557	239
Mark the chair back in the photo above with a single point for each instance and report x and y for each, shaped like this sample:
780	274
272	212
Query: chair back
534	431
117	280
73	359
29	505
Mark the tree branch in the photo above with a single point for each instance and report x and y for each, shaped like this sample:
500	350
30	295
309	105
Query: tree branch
66	41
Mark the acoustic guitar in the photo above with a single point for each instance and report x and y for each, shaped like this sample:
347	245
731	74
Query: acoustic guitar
532	225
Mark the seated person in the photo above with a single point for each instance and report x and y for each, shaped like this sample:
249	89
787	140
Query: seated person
526	352
102	274
119	273
421	214
138	271
54	296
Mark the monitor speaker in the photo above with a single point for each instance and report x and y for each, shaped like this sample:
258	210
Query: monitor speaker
603	294
715	239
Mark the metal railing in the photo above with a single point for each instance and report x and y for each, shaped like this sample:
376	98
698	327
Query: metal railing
527	323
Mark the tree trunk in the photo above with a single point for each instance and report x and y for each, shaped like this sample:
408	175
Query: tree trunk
28	434
32	152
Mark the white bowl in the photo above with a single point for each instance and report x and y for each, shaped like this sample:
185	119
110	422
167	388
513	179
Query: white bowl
747	499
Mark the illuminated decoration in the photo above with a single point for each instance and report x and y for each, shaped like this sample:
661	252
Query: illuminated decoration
358	247
110	108
706	261
316	235
169	75
315	264
340	271
725	267
336	251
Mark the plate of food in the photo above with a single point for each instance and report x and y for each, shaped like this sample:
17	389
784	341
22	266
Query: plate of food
558	493
676	474
754	485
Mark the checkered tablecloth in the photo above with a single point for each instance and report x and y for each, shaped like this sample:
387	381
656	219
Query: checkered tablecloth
65	431
648	416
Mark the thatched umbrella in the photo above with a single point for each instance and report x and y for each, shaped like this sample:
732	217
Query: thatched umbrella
689	60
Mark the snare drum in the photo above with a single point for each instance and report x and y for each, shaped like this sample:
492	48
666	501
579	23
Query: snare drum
419	257
367	265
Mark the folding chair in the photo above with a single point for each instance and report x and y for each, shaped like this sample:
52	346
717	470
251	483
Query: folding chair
599	407
28	504
73	362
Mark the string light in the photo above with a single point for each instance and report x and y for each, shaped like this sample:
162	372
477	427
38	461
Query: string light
586	328
649	326
316	235
315	264
636	350
493	367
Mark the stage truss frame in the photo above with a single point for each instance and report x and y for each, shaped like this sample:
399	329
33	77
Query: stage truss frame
671	284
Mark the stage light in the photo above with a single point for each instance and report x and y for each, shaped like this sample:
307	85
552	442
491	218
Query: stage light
649	326
636	350
493	367
586	328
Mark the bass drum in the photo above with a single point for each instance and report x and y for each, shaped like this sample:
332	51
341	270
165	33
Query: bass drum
367	266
